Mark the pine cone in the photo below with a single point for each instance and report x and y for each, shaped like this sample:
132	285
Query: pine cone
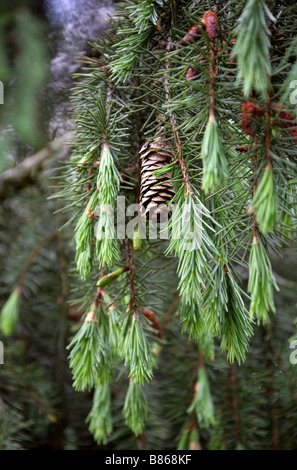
154	155
250	111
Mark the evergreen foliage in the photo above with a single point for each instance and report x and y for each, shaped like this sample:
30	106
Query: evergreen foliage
175	351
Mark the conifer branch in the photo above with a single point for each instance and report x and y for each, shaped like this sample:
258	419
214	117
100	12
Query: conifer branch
108	97
175	132
255	186
99	418
9	315
192	83
44	409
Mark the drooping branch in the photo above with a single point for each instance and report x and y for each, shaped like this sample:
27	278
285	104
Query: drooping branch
50	416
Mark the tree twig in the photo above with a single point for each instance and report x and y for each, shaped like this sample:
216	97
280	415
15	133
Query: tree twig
177	140
31	258
26	173
50	416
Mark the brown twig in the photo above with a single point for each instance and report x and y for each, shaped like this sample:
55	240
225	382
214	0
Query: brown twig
255	185
151	316
138	145
50	416
32	257
109	90
133	300
177	140
213	78
268	133
170	312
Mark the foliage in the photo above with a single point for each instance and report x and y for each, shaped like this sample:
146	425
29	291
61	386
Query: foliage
164	338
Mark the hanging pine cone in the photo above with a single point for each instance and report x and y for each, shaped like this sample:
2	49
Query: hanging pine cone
154	190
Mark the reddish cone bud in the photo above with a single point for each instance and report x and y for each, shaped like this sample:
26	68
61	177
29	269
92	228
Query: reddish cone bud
210	21
250	111
192	35
191	73
242	148
150	315
286	119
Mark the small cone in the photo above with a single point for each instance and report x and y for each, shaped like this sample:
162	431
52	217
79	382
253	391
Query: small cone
250	112
192	36
154	190
191	73
210	21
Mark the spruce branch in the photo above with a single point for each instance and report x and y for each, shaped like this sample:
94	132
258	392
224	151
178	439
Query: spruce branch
175	132
84	237
134	347
137	352
213	157
44	409
135	408
212	153
108	183
9	315
202	403
90	356
236	328
252	48
191	241
261	283
264	202
99	418
128	52
155	90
